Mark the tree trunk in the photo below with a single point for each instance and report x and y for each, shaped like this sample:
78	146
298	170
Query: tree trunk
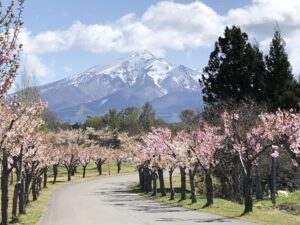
73	170
154	179
119	166
237	181
55	172
34	191
161	182
148	180
45	177
99	167
209	189
69	174
145	179
27	186
273	181
84	168
248	191
183	183
12	177
192	184
172	192
15	202
22	198
259	193
39	185
141	178
4	188
17	188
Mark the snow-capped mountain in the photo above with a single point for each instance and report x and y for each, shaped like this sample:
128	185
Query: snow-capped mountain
129	82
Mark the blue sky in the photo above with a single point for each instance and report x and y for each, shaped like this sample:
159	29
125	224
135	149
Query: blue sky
63	38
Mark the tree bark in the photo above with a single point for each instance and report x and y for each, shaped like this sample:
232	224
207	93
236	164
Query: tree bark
259	193
161	182
183	183
73	170
141	178
4	188
55	172
45	172
28	179
99	166
69	173
15	202
148	180
209	188
39	185
248	190
273	181
12	178
172	192
84	169
22	209
34	189
154	180
192	184
119	166
237	181
17	188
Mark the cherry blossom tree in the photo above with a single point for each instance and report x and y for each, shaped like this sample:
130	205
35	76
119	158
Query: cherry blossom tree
18	124
85	157
183	157
10	27
154	143
141	157
204	144
69	158
101	154
249	142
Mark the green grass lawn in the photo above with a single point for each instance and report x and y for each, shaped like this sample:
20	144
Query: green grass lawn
35	209
263	212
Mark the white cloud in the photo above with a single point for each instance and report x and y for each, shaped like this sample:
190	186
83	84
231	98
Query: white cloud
170	25
34	65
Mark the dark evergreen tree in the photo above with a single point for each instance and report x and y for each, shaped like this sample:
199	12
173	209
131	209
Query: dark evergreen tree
147	117
282	87
235	70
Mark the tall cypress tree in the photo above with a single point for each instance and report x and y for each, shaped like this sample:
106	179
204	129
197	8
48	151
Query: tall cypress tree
282	87
235	70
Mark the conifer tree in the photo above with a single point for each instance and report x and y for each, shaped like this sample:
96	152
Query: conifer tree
235	70
282	87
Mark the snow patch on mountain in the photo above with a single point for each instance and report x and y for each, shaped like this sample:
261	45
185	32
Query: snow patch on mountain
141	76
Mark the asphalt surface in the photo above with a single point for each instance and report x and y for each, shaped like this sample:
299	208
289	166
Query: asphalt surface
107	201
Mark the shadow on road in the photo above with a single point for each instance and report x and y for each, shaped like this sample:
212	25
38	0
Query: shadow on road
121	196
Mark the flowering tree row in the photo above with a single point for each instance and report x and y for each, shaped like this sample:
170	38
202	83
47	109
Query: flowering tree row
30	153
82	147
195	151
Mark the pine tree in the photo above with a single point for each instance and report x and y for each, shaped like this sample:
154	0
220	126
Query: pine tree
147	117
235	70
282	87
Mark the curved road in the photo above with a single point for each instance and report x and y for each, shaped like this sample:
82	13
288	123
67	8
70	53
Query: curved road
107	201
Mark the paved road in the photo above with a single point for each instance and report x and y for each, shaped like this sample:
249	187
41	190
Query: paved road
107	201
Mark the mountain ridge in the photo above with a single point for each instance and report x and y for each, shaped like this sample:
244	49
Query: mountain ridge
129	82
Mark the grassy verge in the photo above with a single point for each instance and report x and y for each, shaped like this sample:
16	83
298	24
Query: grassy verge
263	212
35	209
